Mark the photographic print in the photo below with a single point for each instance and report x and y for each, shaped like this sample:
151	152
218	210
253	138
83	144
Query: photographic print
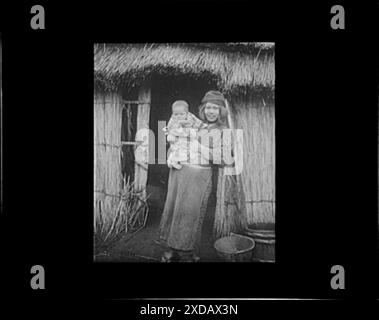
166	117
234	145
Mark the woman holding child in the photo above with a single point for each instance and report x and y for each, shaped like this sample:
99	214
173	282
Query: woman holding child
190	180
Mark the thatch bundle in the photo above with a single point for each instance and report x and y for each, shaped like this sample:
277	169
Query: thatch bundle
231	68
118	206
129	215
257	119
107	148
230	208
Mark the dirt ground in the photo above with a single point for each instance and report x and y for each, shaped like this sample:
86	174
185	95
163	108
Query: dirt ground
141	247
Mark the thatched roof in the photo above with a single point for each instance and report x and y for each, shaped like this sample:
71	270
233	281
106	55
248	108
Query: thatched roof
233	67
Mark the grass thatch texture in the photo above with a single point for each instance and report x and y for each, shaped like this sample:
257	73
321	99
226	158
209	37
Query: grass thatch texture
107	148
231	207
129	216
257	119
230	215
126	65
250	47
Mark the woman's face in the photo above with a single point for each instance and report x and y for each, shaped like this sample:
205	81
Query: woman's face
211	112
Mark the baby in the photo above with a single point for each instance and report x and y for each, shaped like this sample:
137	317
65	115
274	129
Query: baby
181	128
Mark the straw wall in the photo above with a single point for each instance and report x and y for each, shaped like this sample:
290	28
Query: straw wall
256	116
107	157
230	214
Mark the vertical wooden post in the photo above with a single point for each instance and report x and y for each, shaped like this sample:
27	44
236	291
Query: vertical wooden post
142	151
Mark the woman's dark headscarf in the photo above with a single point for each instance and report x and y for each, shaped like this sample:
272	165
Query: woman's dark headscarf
217	98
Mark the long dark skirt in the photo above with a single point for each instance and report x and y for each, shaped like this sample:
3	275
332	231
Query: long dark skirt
186	203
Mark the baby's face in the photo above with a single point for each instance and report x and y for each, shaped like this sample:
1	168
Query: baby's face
179	113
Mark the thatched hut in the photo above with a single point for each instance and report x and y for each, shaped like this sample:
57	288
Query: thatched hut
134	86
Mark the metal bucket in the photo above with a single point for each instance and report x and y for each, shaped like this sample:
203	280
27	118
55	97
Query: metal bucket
235	248
264	244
